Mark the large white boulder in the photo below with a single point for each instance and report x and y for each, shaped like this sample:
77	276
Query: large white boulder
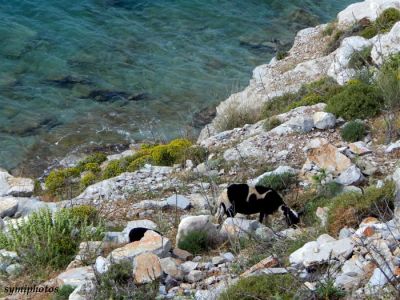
324	120
15	186
369	9
196	223
8	206
386	44
238	227
351	176
321	250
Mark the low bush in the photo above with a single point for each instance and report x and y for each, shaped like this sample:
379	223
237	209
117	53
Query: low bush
360	59
350	208
353	131
278	181
139	163
382	24
63	292
92	167
278	105
271	123
88	179
356	100
234	117
59	179
281	55
95	158
196	154
85	214
48	241
117	283
196	242
308	100
266	287
328	290
113	169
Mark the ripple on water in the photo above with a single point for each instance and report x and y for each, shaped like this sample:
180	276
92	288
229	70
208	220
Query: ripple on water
84	72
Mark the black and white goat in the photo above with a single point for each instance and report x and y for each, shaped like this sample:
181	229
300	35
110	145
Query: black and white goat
245	199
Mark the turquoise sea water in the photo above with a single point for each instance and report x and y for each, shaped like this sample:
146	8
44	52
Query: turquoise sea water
90	72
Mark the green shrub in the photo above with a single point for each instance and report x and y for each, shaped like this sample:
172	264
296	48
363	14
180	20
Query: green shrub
85	213
195	242
196	154
360	59
306	101
63	292
92	167
113	169
328	290
45	241
170	153
330	189
139	163
281	55
271	123
58	180
382	24
95	158
117	284
278	105
369	32
353	131
265	287
350	208
357	100
88	179
278	181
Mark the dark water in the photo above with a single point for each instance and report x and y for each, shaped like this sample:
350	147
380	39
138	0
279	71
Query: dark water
91	72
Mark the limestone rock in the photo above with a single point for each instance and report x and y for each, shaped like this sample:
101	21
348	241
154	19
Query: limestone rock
146	268
386	44
8	206
350	176
369	9
278	171
237	227
15	186
393	147
359	148
76	277
189	266
101	265
320	251
151	242
179	201
324	120
329	157
182	254
170	267
195	276
196	223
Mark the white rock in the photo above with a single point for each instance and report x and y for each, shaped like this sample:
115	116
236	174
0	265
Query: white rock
170	267
380	277
324	120
359	148
101	265
14	269
150	204
386	44
188	266
350	176
76	277
320	251
278	171
237	227
123	154
195	276
196	223
369	9
393	147
179	201
8	206
217	260
15	186
229	256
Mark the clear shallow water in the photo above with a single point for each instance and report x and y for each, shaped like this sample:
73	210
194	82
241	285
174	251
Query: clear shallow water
90	72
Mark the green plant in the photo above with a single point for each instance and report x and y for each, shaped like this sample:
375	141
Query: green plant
278	181
113	169
92	167
278	104
360	59
170	153
95	158
281	55
117	284
234	117
271	123
58	180
328	290
388	83
382	24
86	214
63	292
88	179
353	131
349	209
196	154
48	241
265	287
139	163
308	100
356	100
195	242
330	189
